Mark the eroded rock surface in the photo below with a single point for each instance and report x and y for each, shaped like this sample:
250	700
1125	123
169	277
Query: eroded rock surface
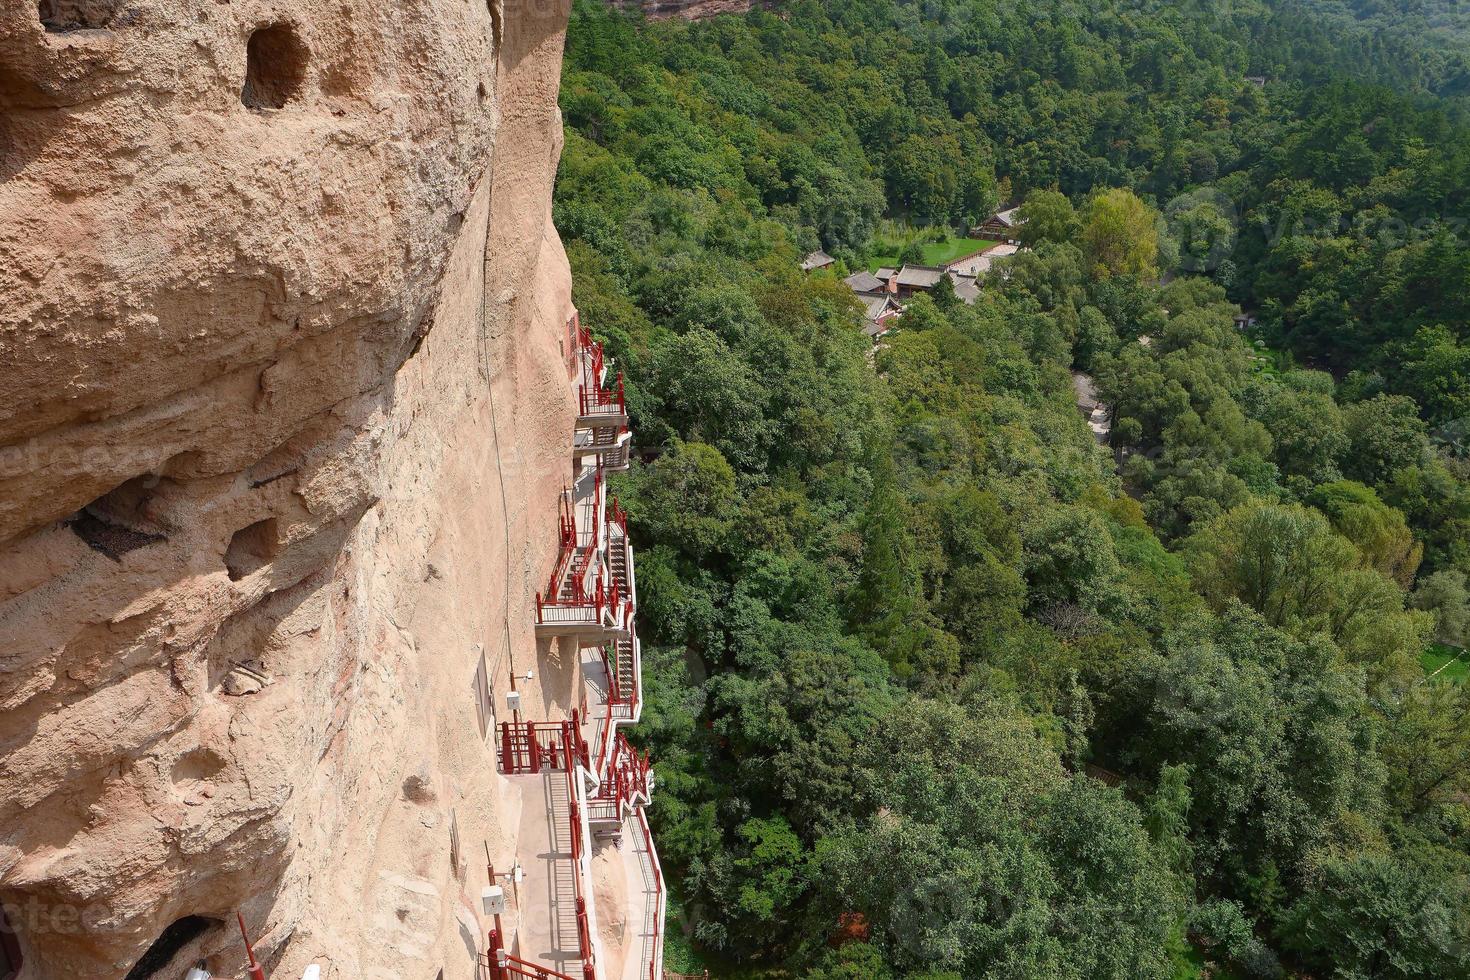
283	415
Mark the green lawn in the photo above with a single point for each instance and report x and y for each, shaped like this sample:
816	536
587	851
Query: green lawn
1455	663
936	253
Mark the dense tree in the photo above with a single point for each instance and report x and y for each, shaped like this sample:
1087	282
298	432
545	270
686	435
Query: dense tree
1289	564
687	498
1070	559
1120	235
709	395
1386	435
893	603
1375	915
758	881
1278	742
1380	533
1049	217
949	878
1309	436
1445	594
852	961
1428	745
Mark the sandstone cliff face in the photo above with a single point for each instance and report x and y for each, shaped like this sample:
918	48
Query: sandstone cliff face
283	414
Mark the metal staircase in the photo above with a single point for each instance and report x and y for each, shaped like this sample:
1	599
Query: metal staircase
625	671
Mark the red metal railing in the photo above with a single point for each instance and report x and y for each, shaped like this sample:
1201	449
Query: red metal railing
579	578
567	521
500	965
634	697
597	399
586	609
634	700
622	702
528	746
617	697
575	750
590	350
613	595
569	612
549	746
609	665
603	736
573	554
567	544
590	585
534	746
256	971
623	782
603	605
583	702
619	551
593	397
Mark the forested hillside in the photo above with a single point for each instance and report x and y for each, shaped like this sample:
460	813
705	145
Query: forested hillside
941	687
1437	31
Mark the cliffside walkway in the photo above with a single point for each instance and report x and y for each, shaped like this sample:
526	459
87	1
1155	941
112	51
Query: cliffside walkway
547	896
580	777
644	880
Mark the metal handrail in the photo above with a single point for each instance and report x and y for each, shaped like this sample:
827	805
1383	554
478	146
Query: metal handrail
658	885
502	965
599	399
576	750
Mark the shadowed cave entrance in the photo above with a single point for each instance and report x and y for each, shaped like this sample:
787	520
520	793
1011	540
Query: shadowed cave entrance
58	16
251	549
169	943
122	520
275	67
10	958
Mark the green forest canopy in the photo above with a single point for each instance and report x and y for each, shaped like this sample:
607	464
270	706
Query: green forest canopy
894	612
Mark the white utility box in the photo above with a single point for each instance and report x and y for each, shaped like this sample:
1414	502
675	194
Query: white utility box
492	899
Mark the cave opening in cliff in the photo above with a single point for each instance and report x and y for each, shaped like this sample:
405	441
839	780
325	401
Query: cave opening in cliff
122	520
251	549
10	958
275	67
75	15
169	943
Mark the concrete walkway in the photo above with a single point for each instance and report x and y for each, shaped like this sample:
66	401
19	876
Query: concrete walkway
595	729
643	901
546	896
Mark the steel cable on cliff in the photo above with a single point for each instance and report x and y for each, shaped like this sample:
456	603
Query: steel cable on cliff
484	358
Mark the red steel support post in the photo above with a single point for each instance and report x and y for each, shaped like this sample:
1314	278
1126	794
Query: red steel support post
257	972
497	971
